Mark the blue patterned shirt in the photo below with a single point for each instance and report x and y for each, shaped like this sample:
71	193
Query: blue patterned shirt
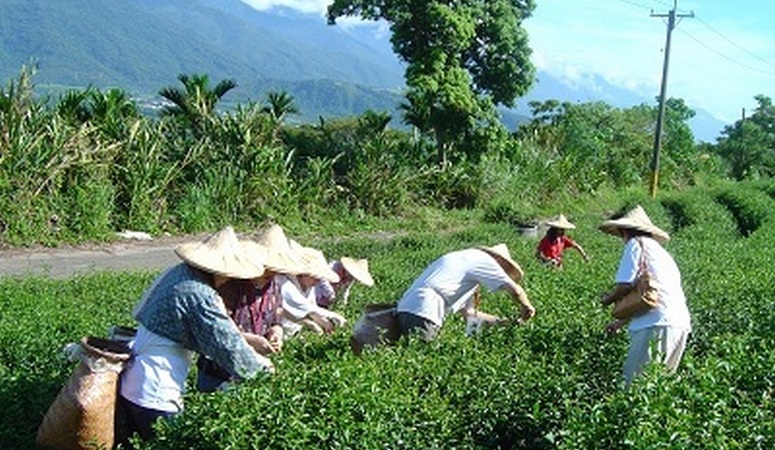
186	310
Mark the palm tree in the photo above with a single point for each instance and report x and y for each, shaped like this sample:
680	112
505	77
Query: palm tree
280	105
195	103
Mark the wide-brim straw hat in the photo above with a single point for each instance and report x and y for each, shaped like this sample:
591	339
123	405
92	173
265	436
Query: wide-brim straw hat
501	254
221	254
358	269
315	263
272	248
561	222
635	219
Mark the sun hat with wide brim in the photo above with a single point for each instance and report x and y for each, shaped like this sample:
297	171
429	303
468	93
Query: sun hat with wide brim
221	254
635	219
359	269
273	249
315	264
560	222
501	254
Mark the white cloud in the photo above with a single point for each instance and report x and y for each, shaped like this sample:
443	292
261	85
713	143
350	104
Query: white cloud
305	6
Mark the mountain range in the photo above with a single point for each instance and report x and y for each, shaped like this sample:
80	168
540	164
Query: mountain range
142	46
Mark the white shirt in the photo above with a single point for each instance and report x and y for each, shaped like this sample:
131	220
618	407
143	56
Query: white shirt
447	283
298	304
672	310
156	376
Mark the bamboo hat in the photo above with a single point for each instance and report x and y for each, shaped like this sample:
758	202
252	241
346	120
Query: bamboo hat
359	269
501	254
561	222
315	264
221	254
635	219
273	249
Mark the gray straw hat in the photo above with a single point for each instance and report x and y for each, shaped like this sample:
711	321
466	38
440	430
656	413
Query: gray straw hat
359	269
635	219
221	254
272	247
560	222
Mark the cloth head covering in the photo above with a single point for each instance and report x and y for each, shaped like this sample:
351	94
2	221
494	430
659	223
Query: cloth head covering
635	219
561	222
273	249
358	269
221	254
501	254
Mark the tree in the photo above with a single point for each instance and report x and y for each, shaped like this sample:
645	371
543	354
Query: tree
195	103
463	57
748	145
280	104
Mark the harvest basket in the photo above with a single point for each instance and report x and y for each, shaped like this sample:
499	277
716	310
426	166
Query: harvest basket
83	414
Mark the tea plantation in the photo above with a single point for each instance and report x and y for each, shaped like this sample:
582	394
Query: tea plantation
551	384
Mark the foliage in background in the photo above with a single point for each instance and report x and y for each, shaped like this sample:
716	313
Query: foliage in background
87	164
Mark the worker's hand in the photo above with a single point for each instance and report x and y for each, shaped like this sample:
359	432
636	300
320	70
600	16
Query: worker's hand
527	312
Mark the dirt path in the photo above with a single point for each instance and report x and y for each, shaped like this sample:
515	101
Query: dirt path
66	262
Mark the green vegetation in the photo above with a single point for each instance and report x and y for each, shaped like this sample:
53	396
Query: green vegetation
551	384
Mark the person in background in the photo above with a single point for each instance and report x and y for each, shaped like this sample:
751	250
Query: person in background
555	241
181	314
299	299
660	334
448	283
255	305
349	271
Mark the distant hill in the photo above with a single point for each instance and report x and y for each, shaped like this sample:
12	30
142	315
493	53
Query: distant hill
142	46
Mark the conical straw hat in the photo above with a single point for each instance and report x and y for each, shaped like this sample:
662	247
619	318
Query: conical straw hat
501	254
315	264
359	269
561	222
635	219
221	254
272	248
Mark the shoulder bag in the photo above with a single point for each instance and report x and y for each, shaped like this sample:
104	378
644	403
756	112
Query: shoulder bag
644	295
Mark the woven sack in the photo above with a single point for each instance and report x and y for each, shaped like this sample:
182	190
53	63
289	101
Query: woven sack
82	415
641	299
377	325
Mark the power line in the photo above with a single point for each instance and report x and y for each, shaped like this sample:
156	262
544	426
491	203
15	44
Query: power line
769	63
709	48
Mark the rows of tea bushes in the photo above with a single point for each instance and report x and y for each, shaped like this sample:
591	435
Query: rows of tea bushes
550	384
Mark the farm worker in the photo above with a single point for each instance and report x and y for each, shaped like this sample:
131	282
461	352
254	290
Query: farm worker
255	305
660	334
181	314
300	308
555	241
448	283
349	271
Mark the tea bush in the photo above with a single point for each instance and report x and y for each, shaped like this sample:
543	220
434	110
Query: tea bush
553	383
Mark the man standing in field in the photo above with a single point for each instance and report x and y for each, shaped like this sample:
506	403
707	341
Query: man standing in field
448	283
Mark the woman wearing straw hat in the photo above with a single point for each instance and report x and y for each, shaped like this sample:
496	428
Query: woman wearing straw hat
181	314
349	271
660	334
554	243
255	305
447	285
300	308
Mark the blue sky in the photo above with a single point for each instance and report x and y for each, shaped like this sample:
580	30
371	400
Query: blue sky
719	60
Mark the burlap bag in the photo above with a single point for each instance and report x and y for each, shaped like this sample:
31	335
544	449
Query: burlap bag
83	414
377	325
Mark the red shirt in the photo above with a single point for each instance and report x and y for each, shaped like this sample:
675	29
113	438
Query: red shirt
553	249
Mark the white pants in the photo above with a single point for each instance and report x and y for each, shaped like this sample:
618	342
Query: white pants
661	344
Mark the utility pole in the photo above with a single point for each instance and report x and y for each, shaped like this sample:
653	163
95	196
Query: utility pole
671	16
